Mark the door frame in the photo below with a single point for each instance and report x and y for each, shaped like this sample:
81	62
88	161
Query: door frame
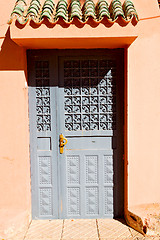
80	52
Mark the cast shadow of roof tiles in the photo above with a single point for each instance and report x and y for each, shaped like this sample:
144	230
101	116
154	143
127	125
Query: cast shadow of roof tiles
89	11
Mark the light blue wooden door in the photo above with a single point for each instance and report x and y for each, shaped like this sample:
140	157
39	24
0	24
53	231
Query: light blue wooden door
87	110
43	136
79	95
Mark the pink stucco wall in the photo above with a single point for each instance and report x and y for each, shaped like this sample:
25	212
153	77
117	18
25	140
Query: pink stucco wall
142	126
14	141
144	114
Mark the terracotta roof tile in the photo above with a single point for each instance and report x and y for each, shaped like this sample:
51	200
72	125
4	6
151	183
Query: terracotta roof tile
47	10
129	10
34	10
103	9
116	9
19	8
75	10
89	10
68	12
61	10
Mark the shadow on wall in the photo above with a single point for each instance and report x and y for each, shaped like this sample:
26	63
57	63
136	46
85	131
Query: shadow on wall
76	22
12	57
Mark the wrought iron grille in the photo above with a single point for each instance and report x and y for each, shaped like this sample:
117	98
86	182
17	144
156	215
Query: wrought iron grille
90	95
43	111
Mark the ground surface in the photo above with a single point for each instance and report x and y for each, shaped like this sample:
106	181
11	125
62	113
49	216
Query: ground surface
94	229
150	214
88	229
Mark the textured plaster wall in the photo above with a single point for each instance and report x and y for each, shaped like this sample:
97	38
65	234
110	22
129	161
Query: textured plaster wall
144	114
14	141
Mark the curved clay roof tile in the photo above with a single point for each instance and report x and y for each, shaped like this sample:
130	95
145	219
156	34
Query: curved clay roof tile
129	10
47	10
89	10
23	13
103	9
75	10
116	9
19	7
61	10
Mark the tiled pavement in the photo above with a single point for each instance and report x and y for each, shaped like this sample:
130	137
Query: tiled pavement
78	229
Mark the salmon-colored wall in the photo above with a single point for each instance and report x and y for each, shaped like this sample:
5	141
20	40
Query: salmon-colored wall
142	127
144	114
15	200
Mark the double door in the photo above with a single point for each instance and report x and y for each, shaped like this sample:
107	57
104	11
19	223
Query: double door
78	96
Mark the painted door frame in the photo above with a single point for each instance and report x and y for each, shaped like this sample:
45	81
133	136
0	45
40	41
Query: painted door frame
96	51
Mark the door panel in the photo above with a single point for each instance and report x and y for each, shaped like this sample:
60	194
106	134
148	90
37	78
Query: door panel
88	190
88	109
78	94
43	147
99	143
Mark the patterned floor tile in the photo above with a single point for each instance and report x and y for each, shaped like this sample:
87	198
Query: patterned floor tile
20	235
135	234
45	229
113	229
80	229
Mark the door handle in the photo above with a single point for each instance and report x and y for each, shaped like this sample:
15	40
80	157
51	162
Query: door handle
62	143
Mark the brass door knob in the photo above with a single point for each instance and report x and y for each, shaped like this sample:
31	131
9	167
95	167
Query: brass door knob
62	143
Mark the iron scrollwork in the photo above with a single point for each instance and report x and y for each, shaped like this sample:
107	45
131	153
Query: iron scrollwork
43	110
90	89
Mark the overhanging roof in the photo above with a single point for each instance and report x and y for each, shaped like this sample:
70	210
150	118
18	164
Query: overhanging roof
68	12
72	25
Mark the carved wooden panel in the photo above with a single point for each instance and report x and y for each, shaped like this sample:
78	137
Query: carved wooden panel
73	169
73	197
45	170
46	201
91	169
92	205
108	169
108	193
